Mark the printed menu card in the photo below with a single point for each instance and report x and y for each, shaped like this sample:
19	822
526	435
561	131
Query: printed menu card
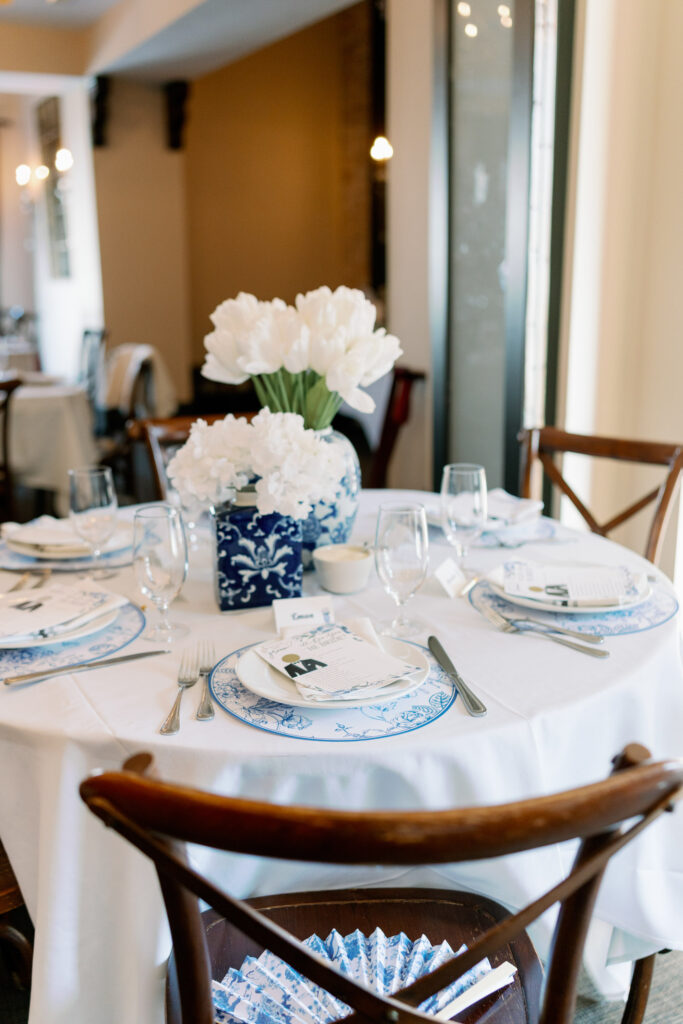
573	586
332	663
53	609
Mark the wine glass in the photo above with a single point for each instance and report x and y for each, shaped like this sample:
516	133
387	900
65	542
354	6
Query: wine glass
93	509
402	558
160	562
463	506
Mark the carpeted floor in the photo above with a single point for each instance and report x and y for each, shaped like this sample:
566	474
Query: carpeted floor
665	1005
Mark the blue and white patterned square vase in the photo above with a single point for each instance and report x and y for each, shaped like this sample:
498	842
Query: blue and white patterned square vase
258	557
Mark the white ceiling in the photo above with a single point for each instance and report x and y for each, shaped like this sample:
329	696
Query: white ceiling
211	35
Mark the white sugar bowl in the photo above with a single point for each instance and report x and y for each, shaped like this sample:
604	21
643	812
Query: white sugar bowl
342	568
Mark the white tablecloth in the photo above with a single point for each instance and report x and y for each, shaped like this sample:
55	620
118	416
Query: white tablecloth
555	720
51	432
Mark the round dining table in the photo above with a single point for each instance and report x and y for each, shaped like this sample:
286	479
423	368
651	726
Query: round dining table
556	718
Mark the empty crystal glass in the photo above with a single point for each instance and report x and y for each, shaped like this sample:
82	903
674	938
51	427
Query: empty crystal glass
160	562
463	506
93	510
402	558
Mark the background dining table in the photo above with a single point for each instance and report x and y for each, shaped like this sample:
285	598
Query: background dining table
555	719
51	432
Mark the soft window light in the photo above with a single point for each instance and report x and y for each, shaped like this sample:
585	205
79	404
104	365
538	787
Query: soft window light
23	174
64	160
464	9
42	172
381	149
506	22
471	30
504	10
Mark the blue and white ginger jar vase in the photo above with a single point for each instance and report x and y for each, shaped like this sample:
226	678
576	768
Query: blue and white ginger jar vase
258	556
331	522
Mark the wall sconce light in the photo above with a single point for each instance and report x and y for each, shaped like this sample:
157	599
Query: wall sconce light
22	174
42	172
381	149
64	161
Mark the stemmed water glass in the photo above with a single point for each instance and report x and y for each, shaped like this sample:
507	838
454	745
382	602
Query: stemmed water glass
463	506
402	558
93	509
160	562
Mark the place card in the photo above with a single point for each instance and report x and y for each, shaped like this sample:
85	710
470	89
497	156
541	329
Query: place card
302	613
332	663
451	577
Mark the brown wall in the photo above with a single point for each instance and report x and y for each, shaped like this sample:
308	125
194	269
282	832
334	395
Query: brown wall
277	170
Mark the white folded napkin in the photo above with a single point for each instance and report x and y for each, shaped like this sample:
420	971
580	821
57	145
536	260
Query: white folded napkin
47	534
333	663
53	610
506	510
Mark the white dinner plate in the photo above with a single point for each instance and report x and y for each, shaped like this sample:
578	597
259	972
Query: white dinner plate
263	680
552	606
101	622
122	539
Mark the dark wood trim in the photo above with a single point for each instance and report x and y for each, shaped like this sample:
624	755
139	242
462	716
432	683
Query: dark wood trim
100	110
563	92
517	233
176	95
439	235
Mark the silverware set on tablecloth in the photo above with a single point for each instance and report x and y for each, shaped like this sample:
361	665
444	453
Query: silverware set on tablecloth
196	663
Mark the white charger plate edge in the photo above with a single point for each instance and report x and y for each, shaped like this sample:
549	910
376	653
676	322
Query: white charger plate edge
260	678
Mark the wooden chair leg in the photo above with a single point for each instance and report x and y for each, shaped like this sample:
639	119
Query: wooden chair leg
641	981
23	954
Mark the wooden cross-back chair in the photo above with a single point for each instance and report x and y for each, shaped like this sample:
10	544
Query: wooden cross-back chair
155	817
11	936
396	416
163	437
8	386
544	443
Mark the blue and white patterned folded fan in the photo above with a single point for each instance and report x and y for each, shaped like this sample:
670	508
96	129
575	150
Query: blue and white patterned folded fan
267	991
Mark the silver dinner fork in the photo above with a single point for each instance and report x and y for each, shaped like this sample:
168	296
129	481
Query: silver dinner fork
188	673
207	659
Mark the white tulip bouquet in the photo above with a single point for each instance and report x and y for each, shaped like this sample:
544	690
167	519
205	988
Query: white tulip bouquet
305	358
288	467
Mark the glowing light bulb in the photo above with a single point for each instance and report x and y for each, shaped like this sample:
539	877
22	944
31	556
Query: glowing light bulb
506	22
471	30
64	160
381	149
23	174
42	172
504	10
464	9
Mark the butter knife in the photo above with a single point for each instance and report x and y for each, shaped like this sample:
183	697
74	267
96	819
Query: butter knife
81	666
472	703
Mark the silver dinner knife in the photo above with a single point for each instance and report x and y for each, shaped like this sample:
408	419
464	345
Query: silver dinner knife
469	699
81	666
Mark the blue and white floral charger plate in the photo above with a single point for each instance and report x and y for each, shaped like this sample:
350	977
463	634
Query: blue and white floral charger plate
16	562
658	608
127	626
372	721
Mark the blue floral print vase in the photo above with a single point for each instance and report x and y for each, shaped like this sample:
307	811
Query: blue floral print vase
258	556
331	522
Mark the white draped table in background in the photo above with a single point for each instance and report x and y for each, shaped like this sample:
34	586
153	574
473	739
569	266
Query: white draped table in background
555	720
51	431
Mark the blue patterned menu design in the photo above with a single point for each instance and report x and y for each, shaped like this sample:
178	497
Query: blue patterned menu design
371	721
268	991
127	626
15	562
659	608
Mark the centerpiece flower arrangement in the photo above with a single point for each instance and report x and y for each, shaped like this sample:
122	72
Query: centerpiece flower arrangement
262	477
307	358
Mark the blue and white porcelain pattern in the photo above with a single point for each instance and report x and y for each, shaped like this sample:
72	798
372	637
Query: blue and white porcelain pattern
659	608
15	562
258	557
128	625
370	722
331	522
268	991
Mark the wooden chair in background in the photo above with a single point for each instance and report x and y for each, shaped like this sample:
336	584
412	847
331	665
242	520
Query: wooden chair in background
396	416
154	816
11	936
7	387
544	443
163	437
